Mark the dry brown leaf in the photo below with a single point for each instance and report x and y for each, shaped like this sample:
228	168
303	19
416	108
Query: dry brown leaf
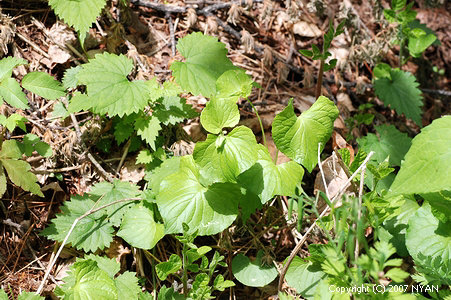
303	28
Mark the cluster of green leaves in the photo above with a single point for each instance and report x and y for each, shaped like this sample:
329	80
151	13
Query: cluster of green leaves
201	288
12	151
22	296
395	87
316	53
229	174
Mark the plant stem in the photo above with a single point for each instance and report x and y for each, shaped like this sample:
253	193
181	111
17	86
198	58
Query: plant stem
185	274
260	122
319	82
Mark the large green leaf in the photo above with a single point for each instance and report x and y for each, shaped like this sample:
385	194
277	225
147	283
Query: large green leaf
7	65
110	192
11	92
88	282
265	179
391	143
139	229
219	113
18	170
304	276
428	237
206	60
91	233
419	41
223	158
79	14
401	92
44	85
298	137
233	85
427	165
183	199
108	88
253	273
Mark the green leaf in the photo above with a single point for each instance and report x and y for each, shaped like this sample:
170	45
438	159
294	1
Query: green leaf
183	199
7	65
173	110
59	111
79	102
167	294
307	53
416	24
70	80
109	90
265	179
13	121
44	85
3	295
87	281
391	143
233	85
168	167
401	93
429	240
427	162
220	284
148	128
219	113
109	192
109	265
29	296
397	275
223	158
206	60
398	4
304	276
11	92
382	70
298	137
79	14
420	43
91	233
32	142
253	273
166	268
139	228
18	170
127	286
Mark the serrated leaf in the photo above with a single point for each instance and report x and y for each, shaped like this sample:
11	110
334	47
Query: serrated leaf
11	92
427	162
219	113
148	128
166	268
127	286
70	80
79	102
110	192
79	14
223	158
183	199
59	111
401	93
32	142
122	131
304	276
206	60
13	121
298	137
108	88
44	85
391	143
29	296
91	233
18	170
382	70
173	110
139	229
87	281
253	273
427	236
144	157
7	65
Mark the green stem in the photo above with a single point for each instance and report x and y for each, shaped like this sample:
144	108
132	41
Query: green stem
185	273
260	122
319	82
